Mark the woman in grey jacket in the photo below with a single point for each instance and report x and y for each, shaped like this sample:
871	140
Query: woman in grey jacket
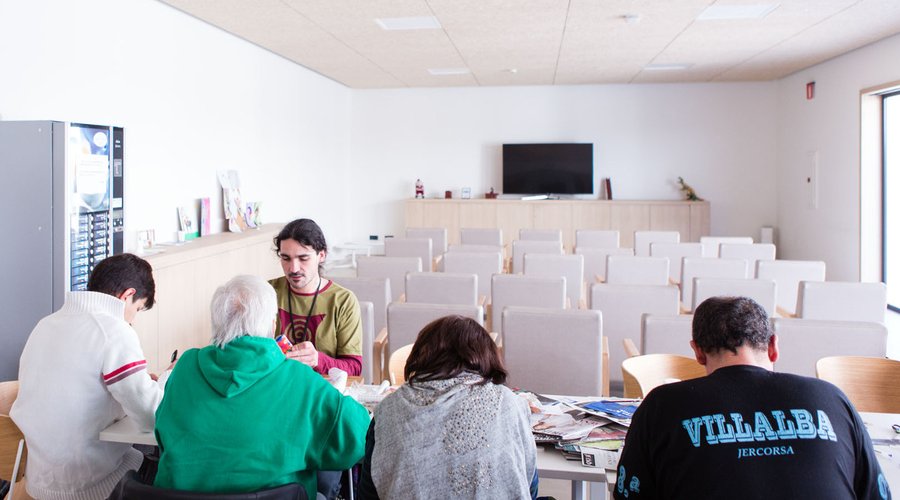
452	431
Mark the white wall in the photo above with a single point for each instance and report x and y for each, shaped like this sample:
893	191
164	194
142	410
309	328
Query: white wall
719	137
829	124
192	98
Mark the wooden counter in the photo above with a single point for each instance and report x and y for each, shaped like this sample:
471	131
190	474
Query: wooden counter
186	277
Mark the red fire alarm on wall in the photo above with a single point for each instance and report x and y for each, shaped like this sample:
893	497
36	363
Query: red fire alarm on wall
810	90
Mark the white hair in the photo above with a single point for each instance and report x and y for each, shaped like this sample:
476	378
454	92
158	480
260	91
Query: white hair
245	305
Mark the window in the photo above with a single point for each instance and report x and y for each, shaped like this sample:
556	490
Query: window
891	198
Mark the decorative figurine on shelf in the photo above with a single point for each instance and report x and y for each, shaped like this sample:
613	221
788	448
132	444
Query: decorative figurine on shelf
490	196
420	189
688	191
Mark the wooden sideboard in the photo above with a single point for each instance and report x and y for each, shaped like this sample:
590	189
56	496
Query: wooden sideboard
690	218
187	276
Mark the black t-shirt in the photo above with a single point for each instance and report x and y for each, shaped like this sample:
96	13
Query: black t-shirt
747	432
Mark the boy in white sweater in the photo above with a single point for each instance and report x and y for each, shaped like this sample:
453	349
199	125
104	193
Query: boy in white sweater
82	368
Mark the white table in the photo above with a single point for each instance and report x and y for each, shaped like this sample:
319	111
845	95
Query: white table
879	427
550	464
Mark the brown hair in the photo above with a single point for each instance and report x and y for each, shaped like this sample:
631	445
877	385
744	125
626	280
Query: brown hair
451	345
115	274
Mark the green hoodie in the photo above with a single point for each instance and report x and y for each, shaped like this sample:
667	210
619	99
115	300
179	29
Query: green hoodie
243	417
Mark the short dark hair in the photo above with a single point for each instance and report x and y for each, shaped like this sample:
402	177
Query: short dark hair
115	274
303	231
729	322
451	345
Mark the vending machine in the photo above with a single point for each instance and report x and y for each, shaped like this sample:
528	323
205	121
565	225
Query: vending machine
63	194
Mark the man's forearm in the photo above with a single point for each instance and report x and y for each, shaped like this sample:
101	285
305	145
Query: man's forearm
349	363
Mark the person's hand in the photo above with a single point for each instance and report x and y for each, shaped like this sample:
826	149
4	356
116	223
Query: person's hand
305	353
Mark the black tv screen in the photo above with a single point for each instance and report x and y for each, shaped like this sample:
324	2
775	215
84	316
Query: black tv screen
548	168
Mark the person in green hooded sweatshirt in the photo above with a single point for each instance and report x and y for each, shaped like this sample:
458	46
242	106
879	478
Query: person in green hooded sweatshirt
238	416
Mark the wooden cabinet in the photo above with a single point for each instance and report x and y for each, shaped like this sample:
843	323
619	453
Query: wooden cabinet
187	276
690	218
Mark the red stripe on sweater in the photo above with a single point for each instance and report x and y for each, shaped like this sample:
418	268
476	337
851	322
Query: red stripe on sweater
123	368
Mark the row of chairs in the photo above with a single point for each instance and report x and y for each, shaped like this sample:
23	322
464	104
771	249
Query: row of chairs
869	382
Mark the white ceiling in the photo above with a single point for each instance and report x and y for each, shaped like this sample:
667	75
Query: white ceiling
549	42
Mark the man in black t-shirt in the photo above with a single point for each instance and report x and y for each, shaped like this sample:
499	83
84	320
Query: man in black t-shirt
744	431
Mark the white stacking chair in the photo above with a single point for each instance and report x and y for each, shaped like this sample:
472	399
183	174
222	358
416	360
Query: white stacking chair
622	307
787	275
521	247
442	288
596	238
707	267
520	290
711	243
377	291
555	351
535	234
751	253
405	320
643	239
626	270
802	342
842	300
666	334
372	362
762	291
482	264
675	252
481	236
392	268
411	247
569	266
595	261
438	237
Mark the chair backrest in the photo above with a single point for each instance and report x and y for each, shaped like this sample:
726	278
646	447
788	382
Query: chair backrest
405	320
708	267
627	270
442	288
397	364
675	252
787	275
521	247
643	239
644	373
367	318
410	247
622	307
11	441
842	300
535	234
9	391
520	290
553	351
130	487
596	238
438	237
752	252
467	248
762	291
481	236
711	243
374	290
870	383
666	334
483	264
569	266
802	342
595	261
392	268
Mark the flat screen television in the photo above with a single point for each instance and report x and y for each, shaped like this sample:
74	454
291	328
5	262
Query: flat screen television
530	169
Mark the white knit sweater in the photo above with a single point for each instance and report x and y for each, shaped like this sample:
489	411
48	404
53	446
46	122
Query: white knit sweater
82	368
